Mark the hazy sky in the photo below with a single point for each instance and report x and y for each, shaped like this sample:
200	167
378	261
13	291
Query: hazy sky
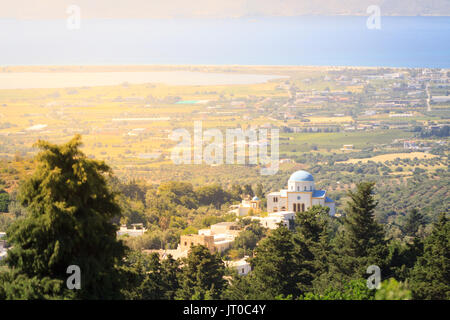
44	9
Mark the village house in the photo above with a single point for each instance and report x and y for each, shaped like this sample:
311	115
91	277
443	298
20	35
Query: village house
246	206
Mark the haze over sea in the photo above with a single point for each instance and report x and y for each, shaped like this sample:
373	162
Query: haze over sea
306	40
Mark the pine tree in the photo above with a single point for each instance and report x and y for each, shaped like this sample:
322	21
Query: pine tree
402	257
361	242
312	245
363	233
17	286
170	270
68	222
202	275
240	288
143	276
414	220
274	270
430	278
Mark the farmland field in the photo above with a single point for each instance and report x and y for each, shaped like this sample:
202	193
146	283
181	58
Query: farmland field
393	156
318	111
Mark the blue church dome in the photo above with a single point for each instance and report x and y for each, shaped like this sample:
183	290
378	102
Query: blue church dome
255	198
301	176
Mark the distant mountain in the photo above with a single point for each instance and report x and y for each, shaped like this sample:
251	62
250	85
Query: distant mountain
350	7
45	9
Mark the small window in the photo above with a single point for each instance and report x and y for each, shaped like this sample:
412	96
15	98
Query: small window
298	198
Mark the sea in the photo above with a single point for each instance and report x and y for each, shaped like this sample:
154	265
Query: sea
416	42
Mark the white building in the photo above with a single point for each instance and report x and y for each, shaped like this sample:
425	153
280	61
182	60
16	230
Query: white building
241	266
299	196
243	209
440	99
136	230
273	219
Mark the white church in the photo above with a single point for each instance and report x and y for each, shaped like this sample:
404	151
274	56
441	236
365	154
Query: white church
299	196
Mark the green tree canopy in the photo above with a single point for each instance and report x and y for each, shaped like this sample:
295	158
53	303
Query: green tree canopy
68	222
312	245
4	201
391	289
201	276
147	278
179	193
414	220
274	270
360	243
212	194
352	290
430	278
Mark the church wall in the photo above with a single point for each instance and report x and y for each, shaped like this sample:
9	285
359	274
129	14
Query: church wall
318	202
305	198
332	207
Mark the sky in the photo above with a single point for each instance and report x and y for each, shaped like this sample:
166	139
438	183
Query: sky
160	9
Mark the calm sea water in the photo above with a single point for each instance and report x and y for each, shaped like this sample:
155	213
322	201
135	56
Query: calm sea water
343	40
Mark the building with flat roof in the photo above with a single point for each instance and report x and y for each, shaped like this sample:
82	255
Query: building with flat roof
189	240
241	266
246	207
218	237
137	229
273	220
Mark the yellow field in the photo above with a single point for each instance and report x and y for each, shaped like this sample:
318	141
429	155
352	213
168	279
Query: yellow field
355	89
317	120
393	156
